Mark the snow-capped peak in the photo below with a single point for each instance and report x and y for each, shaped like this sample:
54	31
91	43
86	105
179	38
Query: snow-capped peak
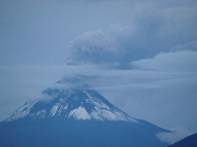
72	103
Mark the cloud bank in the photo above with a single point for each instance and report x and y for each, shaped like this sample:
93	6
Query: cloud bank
181	61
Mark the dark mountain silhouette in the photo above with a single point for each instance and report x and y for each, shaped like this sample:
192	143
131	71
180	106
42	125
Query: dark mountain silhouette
190	141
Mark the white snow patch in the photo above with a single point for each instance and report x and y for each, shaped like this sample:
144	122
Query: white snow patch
95	101
54	109
41	113
65	107
80	113
21	112
109	115
103	114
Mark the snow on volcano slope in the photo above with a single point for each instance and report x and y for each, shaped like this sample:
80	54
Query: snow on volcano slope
72	103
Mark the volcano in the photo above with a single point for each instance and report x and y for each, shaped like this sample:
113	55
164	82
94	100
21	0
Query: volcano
76	117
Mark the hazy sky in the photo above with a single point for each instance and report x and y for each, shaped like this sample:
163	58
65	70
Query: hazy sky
143	53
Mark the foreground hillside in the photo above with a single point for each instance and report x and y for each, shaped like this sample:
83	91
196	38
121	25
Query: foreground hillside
190	141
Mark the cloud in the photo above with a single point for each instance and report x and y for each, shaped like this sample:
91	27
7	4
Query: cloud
92	46
152	28
172	137
172	61
41	30
167	99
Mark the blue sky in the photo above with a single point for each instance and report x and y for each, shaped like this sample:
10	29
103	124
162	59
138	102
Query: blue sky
143	53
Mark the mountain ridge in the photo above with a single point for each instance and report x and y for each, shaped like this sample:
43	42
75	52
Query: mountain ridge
72	103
